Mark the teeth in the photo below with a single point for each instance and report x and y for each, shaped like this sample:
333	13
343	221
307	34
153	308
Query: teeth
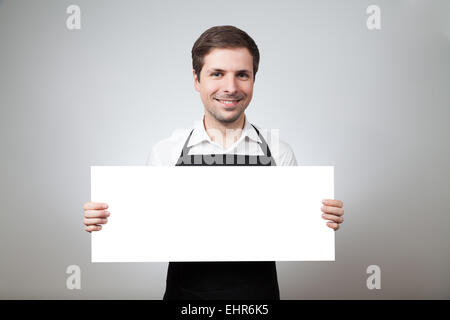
228	101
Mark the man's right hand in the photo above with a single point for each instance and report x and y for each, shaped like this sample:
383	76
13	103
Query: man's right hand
95	215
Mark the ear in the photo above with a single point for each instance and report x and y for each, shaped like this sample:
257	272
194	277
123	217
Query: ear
196	82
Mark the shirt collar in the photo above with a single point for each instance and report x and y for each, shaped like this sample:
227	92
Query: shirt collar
199	134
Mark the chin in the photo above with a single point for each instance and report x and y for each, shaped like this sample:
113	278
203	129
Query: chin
230	118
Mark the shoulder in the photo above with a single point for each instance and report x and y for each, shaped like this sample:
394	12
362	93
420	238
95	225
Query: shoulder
166	151
286	156
282	152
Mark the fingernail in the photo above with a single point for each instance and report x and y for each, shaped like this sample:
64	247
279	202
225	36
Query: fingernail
324	201
107	213
105	206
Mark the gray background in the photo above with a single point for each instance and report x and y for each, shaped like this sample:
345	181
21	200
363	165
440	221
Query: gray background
373	103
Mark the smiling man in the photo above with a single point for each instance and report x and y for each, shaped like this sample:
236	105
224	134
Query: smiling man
225	61
226	89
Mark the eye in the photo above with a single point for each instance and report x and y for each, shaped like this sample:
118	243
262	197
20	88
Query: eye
243	74
215	73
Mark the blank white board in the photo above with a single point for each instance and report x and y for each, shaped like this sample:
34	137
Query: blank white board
213	213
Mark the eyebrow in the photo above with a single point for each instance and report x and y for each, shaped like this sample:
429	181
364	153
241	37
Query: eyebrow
220	70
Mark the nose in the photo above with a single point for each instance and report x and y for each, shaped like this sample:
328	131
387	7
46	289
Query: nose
230	85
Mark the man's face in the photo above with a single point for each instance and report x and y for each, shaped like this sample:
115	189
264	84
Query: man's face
226	83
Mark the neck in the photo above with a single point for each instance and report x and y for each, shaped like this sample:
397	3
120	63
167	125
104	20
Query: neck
223	133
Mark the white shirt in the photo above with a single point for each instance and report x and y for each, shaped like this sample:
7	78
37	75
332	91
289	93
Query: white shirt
166	152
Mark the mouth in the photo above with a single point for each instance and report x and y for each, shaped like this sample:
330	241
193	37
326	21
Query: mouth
228	103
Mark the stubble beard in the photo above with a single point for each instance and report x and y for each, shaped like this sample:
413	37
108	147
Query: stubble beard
220	118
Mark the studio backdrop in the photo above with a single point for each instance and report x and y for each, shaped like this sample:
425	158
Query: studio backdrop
359	85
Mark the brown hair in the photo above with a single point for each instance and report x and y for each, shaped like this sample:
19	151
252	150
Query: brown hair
222	37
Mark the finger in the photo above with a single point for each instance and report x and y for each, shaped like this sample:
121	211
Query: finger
333	225
332	210
333	203
88	222
95	206
96	214
93	228
331	217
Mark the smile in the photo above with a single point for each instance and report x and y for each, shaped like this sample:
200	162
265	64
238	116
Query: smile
229	103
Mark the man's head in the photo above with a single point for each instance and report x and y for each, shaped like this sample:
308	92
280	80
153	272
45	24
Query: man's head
225	61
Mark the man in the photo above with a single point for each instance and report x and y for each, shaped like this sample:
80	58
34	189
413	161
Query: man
225	61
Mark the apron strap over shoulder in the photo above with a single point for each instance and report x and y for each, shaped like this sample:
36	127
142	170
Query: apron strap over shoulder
265	147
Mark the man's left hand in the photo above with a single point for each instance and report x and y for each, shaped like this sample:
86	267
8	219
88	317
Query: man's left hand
332	211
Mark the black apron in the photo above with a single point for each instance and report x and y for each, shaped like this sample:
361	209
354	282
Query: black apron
223	280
